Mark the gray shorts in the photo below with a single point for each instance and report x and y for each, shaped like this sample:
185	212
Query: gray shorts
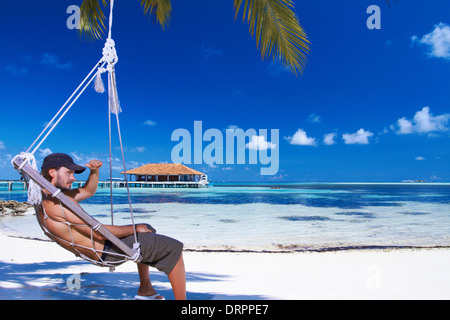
158	251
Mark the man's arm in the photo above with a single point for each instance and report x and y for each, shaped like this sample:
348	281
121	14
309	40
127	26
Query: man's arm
124	231
119	231
90	187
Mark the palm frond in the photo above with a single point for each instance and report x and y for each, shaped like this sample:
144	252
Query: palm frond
160	9
278	31
92	19
389	4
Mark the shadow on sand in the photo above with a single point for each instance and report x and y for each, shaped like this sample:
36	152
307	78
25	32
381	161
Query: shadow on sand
49	281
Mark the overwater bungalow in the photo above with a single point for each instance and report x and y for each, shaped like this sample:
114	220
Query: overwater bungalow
166	172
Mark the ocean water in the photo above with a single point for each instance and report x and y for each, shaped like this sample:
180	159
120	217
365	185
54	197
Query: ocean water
275	217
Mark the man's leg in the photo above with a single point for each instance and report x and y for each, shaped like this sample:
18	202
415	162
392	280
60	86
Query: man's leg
177	279
146	288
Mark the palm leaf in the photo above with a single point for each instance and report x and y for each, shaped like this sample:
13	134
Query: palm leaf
278	32
92	17
160	9
389	2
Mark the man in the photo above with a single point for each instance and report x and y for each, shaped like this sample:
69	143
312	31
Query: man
65	227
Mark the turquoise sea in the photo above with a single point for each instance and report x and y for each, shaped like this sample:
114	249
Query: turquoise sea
273	217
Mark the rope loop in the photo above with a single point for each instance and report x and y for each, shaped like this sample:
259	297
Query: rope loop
109	55
137	250
34	191
58	191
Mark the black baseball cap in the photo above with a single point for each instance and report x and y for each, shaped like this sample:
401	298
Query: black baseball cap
56	160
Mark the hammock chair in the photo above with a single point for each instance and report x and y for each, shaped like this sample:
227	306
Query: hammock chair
25	163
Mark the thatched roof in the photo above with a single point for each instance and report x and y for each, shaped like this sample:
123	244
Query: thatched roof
163	168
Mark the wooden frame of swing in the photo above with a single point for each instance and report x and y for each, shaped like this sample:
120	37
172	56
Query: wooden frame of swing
76	209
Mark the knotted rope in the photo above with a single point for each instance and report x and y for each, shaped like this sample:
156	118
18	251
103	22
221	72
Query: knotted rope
34	191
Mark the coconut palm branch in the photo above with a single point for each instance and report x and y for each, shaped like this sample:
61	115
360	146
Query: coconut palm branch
160	9
278	33
273	23
91	19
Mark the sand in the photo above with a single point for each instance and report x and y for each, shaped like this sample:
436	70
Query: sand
36	269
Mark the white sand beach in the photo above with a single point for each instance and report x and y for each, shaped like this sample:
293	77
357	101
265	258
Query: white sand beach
36	269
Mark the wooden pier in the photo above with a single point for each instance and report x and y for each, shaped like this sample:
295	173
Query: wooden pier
146	184
9	184
21	185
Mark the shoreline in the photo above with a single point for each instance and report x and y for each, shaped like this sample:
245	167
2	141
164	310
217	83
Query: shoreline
288	249
319	250
36	270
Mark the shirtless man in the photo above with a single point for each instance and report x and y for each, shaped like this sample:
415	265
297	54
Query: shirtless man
158	251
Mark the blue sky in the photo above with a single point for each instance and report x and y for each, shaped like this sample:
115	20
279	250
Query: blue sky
372	105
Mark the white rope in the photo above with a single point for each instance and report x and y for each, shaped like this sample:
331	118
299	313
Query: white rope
34	191
58	191
62	116
62	108
110	168
110	56
76	247
110	17
137	250
126	179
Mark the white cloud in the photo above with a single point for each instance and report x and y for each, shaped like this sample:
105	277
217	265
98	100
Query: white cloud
300	138
138	149
426	122
359	137
423	122
208	51
81	158
47	59
420	158
15	70
44	152
328	139
150	123
132	164
5	161
52	60
278	177
314	118
260	143
2	145
276	68
404	126
437	41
